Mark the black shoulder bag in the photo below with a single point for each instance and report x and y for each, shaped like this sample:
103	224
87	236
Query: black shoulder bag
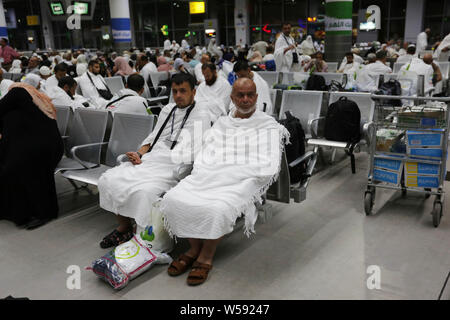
105	94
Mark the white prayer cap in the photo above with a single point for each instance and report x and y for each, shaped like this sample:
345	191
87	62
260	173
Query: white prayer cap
45	71
32	79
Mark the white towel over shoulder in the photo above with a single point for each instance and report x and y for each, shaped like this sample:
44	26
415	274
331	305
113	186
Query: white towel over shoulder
240	159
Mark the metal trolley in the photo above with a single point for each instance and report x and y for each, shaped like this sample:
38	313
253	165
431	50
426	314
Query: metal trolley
434	121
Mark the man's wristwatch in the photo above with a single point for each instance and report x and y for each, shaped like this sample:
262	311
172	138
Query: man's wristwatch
140	154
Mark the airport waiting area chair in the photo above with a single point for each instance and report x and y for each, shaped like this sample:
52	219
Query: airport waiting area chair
128	131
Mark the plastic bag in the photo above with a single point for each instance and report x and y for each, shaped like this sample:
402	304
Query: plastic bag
126	262
154	235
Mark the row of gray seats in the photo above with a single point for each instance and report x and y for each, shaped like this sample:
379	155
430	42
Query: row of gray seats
94	140
13	76
310	107
274	77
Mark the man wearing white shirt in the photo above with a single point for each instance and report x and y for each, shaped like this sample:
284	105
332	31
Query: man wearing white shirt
286	53
60	72
410	52
442	52
379	66
146	67
167	44
420	68
64	94
356	58
198	68
422	40
215	91
264	102
129	190
91	82
349	64
130	100
67	58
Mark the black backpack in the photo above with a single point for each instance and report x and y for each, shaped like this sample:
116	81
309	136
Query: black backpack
316	82
296	148
342	123
391	88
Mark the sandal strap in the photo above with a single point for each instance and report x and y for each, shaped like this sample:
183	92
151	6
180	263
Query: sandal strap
201	266
180	266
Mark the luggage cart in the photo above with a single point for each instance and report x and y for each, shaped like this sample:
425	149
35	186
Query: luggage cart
419	164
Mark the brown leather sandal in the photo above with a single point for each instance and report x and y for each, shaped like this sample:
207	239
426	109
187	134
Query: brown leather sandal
199	273
176	267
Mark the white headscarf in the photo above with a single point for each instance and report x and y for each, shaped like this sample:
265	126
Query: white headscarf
32	79
15	68
82	59
307	46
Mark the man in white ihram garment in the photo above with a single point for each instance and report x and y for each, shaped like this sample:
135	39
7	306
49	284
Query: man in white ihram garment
264	102
286	53
198	68
422	40
442	52
91	82
240	159
214	91
167	44
130	189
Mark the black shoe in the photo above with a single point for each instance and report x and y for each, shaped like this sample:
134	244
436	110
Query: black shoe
36	223
116	238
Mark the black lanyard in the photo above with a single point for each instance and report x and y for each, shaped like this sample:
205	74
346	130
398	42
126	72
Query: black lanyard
186	116
106	86
285	39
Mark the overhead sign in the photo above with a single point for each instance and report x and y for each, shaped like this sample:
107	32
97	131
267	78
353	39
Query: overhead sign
197	7
81	8
56	8
32	20
373	16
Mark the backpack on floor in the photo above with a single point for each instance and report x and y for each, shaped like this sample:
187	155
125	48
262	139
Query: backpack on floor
342	123
316	82
296	148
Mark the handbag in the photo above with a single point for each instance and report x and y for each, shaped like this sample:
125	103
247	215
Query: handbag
154	234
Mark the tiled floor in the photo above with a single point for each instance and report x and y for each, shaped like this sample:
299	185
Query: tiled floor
320	249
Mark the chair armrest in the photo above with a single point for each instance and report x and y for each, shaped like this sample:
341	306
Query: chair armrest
310	126
368	129
122	159
163	91
156	100
303	158
75	149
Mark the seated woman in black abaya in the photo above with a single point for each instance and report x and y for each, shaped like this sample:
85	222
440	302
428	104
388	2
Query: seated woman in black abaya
30	149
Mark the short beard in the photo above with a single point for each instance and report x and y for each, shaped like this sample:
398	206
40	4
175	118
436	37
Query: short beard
246	111
212	81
